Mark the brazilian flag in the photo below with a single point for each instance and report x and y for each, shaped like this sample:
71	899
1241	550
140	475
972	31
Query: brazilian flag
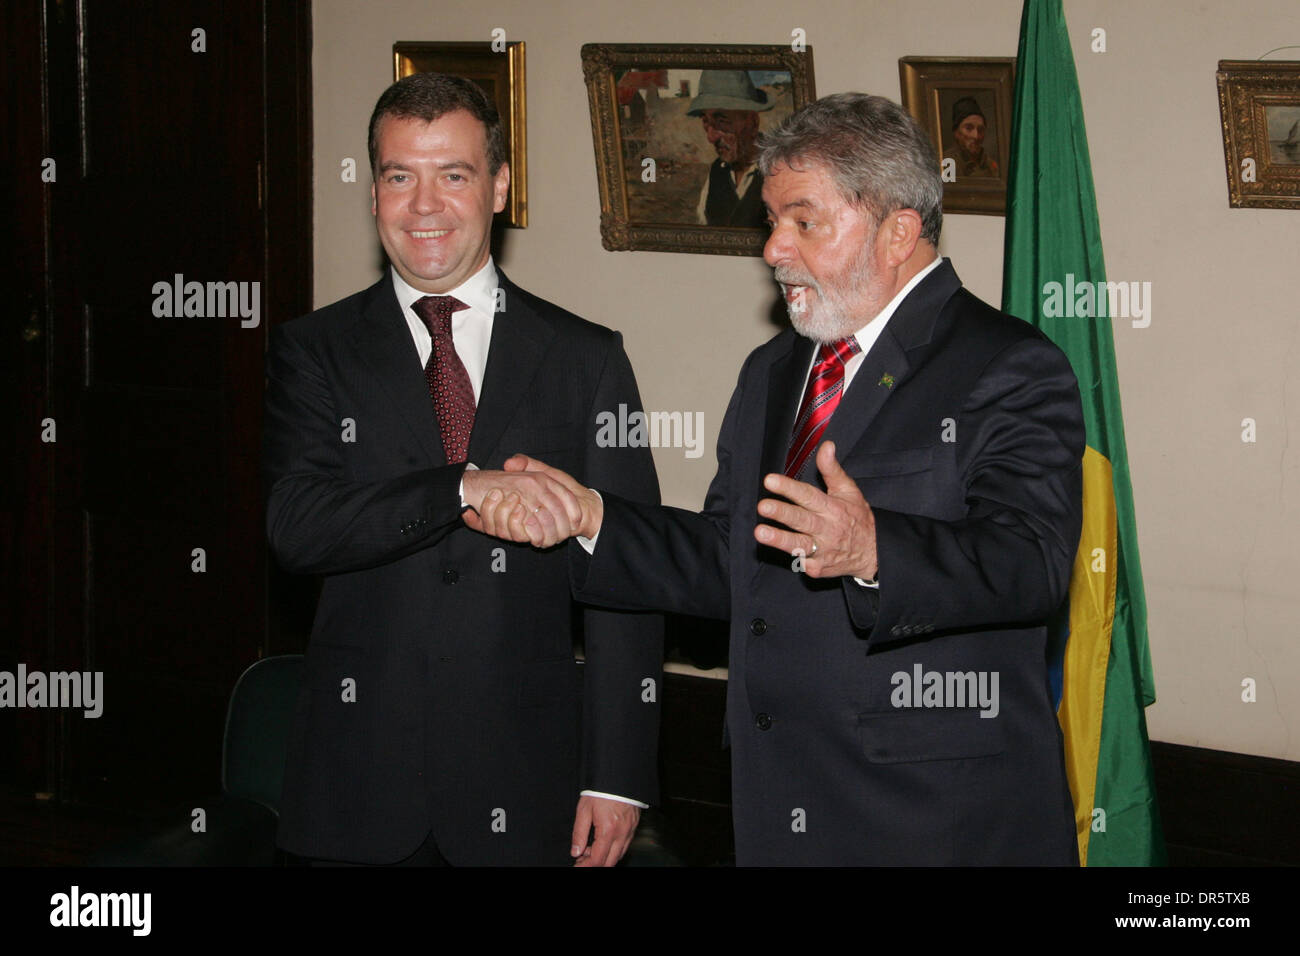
1053	249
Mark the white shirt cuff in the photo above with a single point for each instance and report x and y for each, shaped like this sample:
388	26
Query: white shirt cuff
869	584
469	466
589	545
614	796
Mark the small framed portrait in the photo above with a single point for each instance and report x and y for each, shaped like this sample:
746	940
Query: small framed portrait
1259	104
965	105
498	68
675	130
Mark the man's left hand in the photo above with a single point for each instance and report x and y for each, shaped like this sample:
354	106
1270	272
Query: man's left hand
614	823
837	521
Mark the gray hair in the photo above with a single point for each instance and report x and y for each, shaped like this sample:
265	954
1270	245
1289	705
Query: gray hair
878	156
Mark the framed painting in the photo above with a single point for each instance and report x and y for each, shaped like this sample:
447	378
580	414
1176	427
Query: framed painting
965	104
675	130
1259	105
498	68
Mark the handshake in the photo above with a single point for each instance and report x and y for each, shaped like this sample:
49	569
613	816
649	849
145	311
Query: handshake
832	533
530	501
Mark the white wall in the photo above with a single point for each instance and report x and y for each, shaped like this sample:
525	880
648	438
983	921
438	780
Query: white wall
1215	516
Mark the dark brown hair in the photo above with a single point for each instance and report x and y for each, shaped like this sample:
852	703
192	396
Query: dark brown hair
427	96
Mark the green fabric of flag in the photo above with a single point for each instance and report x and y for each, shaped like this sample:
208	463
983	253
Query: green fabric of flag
1052	266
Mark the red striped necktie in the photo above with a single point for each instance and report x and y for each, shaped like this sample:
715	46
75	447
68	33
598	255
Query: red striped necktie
825	383
449	385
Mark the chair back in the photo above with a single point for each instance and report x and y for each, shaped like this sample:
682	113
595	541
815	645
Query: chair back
257	729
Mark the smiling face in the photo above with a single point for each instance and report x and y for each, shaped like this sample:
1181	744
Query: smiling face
828	256
732	134
970	134
433	198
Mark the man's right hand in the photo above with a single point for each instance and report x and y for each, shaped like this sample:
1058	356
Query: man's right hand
530	501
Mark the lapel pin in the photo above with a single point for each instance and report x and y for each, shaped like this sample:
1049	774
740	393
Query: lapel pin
886	380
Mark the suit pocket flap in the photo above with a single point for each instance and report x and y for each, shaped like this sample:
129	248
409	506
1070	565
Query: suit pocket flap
905	736
886	463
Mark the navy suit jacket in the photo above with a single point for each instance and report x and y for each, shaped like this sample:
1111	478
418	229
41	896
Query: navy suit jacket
464	716
964	431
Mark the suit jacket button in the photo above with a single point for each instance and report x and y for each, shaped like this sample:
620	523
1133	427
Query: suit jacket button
758	627
763	721
450	576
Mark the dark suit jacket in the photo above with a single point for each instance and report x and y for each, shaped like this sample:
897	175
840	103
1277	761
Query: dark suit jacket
971	463
467	717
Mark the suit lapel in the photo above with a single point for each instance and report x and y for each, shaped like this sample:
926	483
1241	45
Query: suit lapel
883	369
520	338
383	340
786	378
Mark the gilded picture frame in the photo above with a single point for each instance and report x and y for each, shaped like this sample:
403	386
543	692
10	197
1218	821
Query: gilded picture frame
1259	107
965	104
498	67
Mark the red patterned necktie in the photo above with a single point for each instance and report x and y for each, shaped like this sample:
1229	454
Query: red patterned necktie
825	383
449	385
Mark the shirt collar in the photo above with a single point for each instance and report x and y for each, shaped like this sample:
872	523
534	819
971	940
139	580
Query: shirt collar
478	291
868	334
749	173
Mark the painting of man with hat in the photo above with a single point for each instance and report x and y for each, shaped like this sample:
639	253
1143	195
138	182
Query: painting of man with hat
728	105
682	141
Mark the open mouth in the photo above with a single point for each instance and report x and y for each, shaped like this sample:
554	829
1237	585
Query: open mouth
428	233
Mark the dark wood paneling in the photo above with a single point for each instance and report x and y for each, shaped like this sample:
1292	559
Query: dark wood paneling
1227	809
695	770
288	269
164	168
24	483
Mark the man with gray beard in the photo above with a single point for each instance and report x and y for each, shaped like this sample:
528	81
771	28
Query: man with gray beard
921	455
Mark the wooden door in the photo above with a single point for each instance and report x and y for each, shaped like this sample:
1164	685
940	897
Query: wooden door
173	232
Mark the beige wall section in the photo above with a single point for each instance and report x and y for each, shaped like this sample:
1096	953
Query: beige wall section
1216	517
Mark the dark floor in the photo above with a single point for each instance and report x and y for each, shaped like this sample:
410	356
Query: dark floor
41	833
1218	809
